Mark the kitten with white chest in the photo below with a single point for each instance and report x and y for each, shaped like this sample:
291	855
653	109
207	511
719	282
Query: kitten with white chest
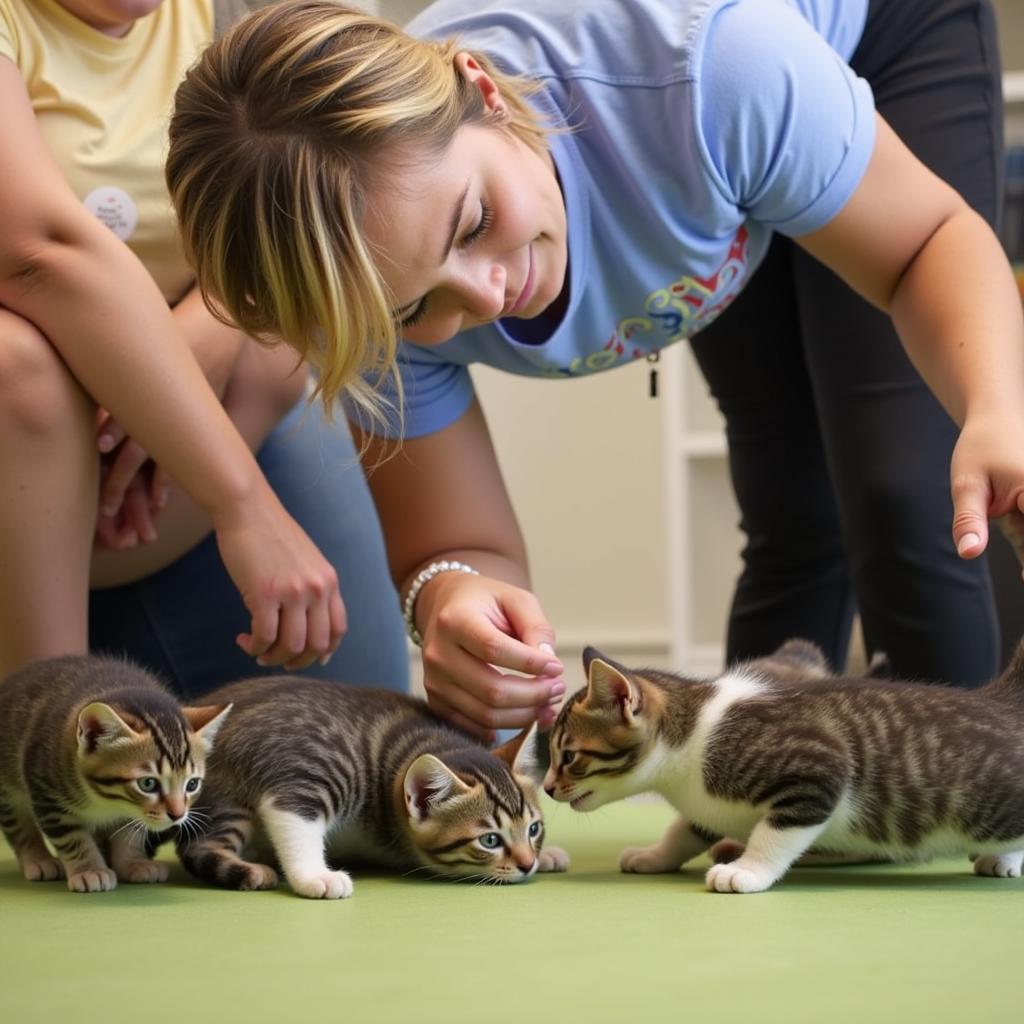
95	755
313	774
785	756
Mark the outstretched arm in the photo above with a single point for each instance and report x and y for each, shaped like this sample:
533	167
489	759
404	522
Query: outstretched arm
910	244
442	497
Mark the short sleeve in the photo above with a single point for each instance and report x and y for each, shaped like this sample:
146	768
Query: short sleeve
8	33
436	394
786	126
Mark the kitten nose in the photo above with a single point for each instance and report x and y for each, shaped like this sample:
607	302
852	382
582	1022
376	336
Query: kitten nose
526	867
550	790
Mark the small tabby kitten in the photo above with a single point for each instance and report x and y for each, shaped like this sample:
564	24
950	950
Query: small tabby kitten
783	755
94	751
319	770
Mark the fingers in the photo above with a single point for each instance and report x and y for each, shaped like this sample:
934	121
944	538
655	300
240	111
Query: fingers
130	458
295	633
488	698
109	433
971	499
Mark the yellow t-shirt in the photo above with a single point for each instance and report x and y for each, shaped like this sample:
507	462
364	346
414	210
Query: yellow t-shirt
103	106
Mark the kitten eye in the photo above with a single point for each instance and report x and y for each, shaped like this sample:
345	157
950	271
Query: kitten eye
148	784
490	840
568	756
193	784
534	829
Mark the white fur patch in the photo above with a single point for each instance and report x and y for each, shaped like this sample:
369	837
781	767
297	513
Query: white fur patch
684	769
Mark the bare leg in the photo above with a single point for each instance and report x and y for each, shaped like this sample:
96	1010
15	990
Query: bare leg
678	845
49	461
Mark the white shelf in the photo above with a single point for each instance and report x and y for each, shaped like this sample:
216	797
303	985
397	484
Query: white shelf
1013	87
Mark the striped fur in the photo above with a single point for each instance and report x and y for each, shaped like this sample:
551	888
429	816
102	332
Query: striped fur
307	771
94	755
783	755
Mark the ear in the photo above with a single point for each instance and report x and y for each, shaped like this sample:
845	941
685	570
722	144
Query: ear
205	721
468	67
608	688
428	783
99	725
527	753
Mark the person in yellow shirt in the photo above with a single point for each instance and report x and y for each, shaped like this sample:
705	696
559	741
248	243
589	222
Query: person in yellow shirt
98	547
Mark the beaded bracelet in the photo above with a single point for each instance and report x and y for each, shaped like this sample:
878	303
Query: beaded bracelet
423	577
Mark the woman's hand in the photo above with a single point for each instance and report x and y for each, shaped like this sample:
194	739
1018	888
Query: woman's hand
987	479
290	589
488	655
133	488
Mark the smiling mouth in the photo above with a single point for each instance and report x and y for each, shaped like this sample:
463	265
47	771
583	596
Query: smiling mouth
527	290
576	801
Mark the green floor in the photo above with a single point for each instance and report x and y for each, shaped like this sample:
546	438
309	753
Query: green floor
929	944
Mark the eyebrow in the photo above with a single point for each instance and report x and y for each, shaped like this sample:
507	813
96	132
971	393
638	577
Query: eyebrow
453	227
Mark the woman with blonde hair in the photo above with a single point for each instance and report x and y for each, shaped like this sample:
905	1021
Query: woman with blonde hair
557	189
115	378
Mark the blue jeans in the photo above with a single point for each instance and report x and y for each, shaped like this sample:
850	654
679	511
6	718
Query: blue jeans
181	622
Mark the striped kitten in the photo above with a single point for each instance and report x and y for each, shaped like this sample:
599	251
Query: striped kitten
785	756
318	770
95	752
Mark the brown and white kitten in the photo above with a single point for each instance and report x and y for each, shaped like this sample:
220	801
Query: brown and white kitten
95	752
320	771
784	756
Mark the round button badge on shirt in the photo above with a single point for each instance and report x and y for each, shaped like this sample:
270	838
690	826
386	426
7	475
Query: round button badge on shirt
115	208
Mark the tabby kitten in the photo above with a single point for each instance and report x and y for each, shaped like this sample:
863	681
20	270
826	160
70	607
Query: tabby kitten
785	756
318	770
95	752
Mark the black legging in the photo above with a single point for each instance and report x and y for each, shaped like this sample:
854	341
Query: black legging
839	453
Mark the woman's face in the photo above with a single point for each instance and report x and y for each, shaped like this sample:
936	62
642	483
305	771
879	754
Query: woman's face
111	17
475	235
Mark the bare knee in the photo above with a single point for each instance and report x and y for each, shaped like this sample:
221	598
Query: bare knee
38	394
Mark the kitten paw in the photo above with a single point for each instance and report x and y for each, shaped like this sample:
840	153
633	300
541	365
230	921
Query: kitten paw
553	858
725	851
97	880
45	869
999	865
142	872
331	885
737	877
257	876
647	860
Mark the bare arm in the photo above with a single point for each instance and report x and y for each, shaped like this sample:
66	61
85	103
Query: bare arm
66	273
442	497
909	243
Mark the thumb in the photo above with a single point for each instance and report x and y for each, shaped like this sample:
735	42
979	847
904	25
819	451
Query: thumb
533	629
970	516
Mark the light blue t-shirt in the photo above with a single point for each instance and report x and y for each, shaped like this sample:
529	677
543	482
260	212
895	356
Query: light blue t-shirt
700	127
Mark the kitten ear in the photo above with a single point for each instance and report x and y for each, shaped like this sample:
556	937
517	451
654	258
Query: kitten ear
527	753
609	688
99	725
205	721
429	782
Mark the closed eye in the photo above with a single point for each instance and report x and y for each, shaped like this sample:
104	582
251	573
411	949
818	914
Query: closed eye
482	227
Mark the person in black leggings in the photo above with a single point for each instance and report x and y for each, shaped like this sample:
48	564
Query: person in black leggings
839	453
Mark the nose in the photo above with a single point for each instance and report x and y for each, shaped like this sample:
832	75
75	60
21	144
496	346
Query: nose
175	810
525	863
483	290
550	789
